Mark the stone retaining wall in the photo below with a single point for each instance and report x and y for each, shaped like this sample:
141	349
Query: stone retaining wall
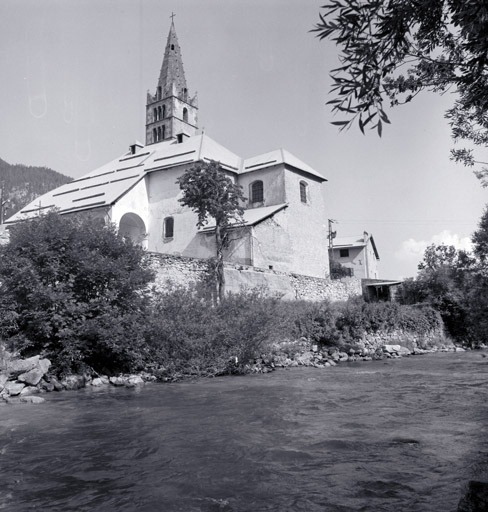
181	271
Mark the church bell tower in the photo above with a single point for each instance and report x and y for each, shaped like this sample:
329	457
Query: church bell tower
170	112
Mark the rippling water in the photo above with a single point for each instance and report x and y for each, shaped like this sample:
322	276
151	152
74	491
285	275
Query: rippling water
396	435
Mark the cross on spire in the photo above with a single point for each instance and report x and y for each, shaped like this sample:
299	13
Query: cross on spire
172	16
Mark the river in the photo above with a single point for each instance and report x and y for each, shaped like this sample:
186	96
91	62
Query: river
393	435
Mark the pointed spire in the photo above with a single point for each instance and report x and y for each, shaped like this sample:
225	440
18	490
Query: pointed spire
172	76
171	112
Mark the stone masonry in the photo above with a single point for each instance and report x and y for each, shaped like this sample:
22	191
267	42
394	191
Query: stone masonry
182	271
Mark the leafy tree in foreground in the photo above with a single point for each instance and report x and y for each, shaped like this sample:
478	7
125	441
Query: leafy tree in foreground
211	194
73	288
392	50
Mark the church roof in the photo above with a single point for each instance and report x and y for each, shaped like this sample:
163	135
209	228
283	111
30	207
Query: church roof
278	156
252	216
105	185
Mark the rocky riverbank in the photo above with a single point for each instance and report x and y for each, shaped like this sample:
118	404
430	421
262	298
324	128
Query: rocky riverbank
302	353
25	380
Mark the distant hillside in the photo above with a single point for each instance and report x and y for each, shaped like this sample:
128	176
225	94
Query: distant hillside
22	184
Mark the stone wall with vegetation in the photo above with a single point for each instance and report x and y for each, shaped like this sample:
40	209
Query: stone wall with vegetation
186	272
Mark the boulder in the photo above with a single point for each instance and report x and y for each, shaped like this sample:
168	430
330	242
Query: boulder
404	351
97	381
304	359
44	365
134	380
47	386
19	366
32	399
117	381
392	349
14	388
32	377
30	390
3	380
73	382
57	385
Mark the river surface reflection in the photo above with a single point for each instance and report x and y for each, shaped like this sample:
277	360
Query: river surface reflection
395	435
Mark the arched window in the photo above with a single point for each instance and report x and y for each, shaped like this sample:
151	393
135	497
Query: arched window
257	192
168	227
159	133
155	115
155	135
163	133
164	111
160	92
185	115
159	113
303	192
172	46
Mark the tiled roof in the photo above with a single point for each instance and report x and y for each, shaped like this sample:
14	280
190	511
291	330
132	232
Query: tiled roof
105	185
252	216
278	156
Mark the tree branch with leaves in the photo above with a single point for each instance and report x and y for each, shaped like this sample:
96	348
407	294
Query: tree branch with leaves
212	194
391	50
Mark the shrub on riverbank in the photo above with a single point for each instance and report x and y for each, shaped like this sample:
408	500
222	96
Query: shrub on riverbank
186	334
72	289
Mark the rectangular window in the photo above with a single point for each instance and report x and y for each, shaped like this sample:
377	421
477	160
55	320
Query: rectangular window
168	230
344	253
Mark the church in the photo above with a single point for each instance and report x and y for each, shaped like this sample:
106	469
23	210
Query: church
284	226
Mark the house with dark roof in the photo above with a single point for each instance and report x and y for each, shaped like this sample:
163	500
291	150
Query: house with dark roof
284	220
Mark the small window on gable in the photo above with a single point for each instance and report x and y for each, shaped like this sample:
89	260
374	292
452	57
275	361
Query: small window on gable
164	111
344	253
185	115
168	227
172	46
303	192
257	192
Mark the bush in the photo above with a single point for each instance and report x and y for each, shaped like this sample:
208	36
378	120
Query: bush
357	317
190	335
75	294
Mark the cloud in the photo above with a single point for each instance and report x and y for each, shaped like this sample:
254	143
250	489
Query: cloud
412	249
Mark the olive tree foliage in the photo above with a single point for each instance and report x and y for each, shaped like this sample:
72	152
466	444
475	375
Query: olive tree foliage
391	50
72	289
212	194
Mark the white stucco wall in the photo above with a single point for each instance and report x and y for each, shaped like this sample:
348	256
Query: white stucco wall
272	244
307	225
134	201
273	184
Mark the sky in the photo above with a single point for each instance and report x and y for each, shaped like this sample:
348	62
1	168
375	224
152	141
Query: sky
74	81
